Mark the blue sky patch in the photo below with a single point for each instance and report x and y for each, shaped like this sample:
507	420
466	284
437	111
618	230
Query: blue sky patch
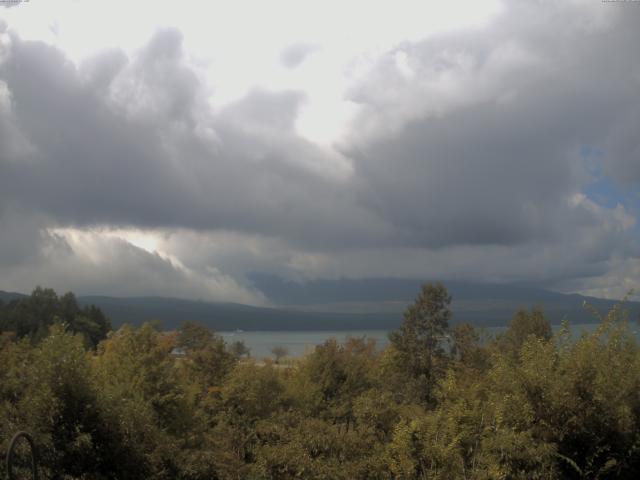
605	191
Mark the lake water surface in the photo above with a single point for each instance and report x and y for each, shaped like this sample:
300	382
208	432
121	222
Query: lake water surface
300	342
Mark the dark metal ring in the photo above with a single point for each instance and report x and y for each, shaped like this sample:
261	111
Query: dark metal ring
11	453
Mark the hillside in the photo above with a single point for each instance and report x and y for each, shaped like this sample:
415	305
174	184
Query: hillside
8	296
346	305
171	312
352	305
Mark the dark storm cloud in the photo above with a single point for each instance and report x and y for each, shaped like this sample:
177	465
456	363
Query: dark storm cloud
465	158
132	143
86	161
488	175
23	241
498	161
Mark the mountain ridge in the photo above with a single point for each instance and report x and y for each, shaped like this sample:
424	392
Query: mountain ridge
479	304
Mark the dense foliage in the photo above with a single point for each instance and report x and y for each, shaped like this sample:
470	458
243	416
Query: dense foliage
438	403
32	317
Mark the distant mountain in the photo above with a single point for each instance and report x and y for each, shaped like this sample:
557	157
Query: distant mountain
6	297
477	303
347	304
286	292
171	312
484	306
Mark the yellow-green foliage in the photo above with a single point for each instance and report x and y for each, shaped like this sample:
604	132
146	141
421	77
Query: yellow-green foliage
525	406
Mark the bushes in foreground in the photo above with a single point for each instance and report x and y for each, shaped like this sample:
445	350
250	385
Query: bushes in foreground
436	404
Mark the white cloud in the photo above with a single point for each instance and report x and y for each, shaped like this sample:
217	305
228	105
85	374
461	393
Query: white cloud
238	45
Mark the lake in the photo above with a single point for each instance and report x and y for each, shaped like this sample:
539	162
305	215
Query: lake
300	342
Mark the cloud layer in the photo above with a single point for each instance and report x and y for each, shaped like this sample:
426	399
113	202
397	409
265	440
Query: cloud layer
469	155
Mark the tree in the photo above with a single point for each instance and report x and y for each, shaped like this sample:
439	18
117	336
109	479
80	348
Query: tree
250	394
279	352
418	344
59	406
194	336
144	399
466	347
239	349
524	324
33	316
207	361
328	381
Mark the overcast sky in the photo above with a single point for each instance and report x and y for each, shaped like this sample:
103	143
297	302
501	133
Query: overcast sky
173	149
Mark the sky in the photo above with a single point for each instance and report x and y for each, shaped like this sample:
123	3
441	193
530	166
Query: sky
180	148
